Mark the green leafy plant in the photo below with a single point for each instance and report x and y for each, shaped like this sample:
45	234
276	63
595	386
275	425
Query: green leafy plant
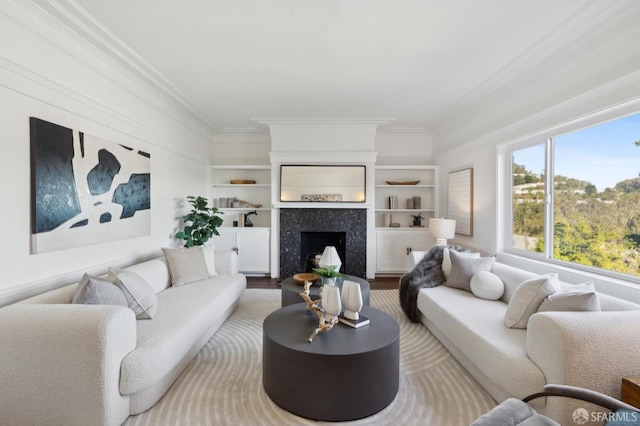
201	222
417	216
328	272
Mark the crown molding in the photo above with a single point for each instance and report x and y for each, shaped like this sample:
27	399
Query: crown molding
593	19
406	129
546	123
69	18
323	121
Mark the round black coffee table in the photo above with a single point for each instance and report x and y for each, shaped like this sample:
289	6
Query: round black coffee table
344	374
291	289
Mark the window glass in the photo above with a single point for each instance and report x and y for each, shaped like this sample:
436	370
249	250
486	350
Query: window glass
597	196
528	198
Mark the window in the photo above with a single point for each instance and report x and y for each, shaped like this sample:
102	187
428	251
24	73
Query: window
591	216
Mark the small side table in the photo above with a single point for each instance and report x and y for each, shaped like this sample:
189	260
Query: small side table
630	391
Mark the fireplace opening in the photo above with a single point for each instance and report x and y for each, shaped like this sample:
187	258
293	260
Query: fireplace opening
312	245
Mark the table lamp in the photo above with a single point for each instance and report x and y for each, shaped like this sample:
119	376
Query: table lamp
441	229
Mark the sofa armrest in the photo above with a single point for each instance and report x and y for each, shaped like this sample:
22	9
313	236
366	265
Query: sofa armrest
593	350
226	262
414	258
60	363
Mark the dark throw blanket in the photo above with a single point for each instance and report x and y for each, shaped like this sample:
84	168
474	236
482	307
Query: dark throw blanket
427	273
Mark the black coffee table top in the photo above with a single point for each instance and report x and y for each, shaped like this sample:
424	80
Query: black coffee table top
292	325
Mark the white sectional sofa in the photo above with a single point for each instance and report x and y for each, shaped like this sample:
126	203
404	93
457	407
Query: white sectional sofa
72	364
586	349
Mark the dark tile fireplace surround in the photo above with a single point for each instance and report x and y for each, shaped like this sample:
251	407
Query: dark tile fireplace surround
344	226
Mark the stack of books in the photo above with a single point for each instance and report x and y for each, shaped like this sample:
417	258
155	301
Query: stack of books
354	323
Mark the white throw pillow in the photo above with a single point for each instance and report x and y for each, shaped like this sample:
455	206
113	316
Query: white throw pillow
446	260
463	268
97	291
209	259
141	297
186	265
487	285
527	299
579	297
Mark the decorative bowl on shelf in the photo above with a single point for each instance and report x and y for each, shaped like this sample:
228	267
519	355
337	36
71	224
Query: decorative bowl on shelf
409	182
242	181
305	276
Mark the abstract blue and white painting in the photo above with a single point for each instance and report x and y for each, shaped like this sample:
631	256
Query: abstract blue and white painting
85	190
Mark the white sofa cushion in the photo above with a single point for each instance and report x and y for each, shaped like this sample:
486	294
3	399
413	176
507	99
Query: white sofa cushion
527	299
446	260
579	297
186	265
487	285
463	267
155	272
184	314
141	297
476	328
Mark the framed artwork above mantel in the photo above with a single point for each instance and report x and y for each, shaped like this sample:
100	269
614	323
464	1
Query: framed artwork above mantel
460	200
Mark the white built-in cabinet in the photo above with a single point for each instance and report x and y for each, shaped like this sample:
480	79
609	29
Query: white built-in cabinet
407	183
251	243
392	245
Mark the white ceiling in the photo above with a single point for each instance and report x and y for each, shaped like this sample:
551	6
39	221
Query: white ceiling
418	62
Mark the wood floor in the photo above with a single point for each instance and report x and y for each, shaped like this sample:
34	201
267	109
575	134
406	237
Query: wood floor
380	283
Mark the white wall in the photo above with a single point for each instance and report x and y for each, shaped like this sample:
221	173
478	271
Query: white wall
391	147
50	73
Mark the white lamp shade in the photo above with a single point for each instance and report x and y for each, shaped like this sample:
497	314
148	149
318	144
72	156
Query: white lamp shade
442	229
330	258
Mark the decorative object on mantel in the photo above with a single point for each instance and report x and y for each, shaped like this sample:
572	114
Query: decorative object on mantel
313	305
442	229
321	197
409	182
242	181
200	224
304	277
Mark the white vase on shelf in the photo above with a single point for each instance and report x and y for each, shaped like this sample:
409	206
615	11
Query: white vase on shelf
351	299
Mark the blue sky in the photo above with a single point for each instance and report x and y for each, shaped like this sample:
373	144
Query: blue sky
603	155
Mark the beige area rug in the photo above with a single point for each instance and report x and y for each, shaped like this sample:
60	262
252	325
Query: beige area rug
223	385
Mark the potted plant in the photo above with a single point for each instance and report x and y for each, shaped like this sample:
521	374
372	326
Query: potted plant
200	223
417	219
328	274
